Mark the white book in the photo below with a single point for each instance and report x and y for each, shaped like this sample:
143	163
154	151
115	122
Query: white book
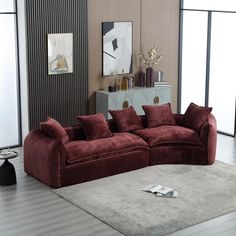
161	191
160	83
172	194
157	189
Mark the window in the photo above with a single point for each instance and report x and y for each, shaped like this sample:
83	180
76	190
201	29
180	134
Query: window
222	84
7	6
207	74
213	5
194	58
9	96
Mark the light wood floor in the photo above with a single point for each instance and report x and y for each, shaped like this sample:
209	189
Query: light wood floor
30	208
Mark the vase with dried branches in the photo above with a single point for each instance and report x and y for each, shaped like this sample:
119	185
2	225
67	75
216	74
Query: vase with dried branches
151	59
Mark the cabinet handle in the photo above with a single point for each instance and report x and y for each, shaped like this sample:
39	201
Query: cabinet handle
125	104
156	100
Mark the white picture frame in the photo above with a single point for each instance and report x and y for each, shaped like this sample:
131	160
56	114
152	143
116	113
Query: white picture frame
60	53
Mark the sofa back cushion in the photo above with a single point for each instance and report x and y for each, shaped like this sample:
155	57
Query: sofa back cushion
95	126
195	116
158	115
126	119
75	133
54	129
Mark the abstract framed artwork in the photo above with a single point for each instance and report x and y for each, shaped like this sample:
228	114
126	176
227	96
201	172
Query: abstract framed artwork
60	53
117	47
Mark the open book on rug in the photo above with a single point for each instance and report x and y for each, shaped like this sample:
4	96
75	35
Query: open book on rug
161	191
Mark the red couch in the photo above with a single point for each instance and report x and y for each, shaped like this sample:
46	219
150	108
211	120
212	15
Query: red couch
60	164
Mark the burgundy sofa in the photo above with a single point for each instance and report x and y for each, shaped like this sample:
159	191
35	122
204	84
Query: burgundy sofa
78	160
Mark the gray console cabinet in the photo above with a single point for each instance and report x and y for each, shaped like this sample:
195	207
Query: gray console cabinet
135	97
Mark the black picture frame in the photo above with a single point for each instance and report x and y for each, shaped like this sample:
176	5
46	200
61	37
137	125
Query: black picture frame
117	48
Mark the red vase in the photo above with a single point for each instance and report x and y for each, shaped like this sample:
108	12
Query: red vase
149	77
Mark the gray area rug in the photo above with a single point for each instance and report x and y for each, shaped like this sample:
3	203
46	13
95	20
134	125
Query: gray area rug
205	192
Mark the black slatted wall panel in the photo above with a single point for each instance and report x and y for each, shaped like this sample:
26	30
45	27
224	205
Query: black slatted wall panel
60	96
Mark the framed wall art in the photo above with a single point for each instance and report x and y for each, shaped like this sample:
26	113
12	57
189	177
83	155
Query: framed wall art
60	53
117	46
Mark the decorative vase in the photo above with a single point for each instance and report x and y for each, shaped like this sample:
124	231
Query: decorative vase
141	79
149	77
160	76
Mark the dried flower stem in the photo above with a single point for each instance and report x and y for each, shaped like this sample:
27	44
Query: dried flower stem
153	58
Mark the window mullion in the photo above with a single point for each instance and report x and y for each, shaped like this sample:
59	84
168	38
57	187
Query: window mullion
208	59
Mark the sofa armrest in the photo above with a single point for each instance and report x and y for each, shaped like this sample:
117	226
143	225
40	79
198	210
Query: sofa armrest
43	158
208	137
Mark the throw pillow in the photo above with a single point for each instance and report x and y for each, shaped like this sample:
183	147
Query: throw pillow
95	126
195	116
54	130
126	119
158	115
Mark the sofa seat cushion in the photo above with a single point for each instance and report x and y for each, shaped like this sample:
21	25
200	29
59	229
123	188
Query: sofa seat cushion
87	150
168	134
